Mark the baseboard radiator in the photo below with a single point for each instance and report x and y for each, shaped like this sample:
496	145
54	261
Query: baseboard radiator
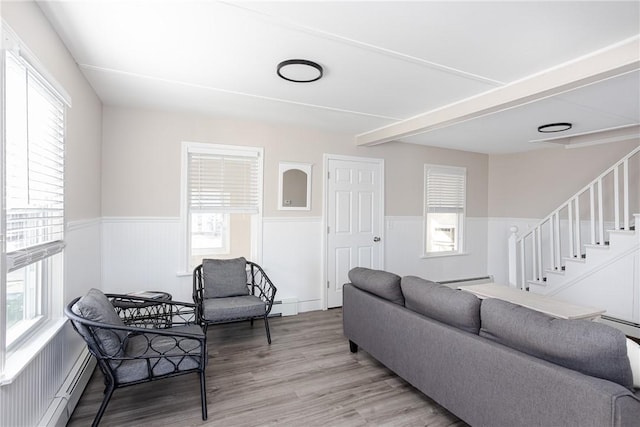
628	328
65	401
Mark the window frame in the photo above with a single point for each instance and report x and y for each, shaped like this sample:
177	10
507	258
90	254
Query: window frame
461	215
189	147
16	351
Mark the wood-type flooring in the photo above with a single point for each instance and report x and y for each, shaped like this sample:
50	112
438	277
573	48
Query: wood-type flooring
306	377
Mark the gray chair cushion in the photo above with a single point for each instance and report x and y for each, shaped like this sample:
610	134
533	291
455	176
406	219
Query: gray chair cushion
173	351
95	306
381	283
224	277
589	347
454	307
232	308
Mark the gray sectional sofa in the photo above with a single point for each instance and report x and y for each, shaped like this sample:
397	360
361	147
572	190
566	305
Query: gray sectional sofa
490	362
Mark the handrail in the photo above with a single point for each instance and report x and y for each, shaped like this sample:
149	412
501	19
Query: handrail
535	257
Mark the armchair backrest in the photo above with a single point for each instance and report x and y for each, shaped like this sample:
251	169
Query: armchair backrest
223	278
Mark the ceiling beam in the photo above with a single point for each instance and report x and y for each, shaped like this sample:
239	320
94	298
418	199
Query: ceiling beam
613	61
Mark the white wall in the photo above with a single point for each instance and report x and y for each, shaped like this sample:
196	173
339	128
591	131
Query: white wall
403	251
292	254
141	170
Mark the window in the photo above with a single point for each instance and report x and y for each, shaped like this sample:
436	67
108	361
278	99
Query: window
444	209
33	178
222	198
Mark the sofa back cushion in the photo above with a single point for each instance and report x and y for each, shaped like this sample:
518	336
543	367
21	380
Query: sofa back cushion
453	307
588	347
96	307
224	277
381	283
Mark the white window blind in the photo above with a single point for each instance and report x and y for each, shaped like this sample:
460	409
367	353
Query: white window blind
445	189
34	170
223	182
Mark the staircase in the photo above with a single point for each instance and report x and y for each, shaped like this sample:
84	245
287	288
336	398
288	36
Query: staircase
587	251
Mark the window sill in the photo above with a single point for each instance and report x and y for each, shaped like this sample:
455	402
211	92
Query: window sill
444	255
27	351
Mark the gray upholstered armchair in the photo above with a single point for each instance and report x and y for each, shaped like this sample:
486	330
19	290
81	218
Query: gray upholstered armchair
151	350
228	290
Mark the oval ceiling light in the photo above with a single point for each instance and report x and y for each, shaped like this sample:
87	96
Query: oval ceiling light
554	127
300	70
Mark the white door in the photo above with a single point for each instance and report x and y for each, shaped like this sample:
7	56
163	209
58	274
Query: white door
355	215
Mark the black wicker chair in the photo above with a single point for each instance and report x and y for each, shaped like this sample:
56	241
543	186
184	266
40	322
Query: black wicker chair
166	341
231	290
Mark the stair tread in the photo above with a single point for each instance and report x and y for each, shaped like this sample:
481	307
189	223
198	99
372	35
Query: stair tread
537	282
630	231
590	245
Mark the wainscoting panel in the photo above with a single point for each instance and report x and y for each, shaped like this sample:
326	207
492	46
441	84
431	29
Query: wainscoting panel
26	399
143	254
82	255
403	251
293	260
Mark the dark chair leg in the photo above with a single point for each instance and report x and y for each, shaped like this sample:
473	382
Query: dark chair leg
353	347
203	396
107	396
252	322
266	325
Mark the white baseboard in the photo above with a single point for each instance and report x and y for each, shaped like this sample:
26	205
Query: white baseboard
62	406
285	307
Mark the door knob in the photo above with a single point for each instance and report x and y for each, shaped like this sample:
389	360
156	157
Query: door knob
376	239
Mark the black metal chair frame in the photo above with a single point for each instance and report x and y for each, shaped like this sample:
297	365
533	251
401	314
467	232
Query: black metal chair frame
147	325
259	285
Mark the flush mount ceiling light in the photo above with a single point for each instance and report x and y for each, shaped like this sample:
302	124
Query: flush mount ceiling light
554	127
300	70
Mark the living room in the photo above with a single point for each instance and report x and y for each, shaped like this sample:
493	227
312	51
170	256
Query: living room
124	193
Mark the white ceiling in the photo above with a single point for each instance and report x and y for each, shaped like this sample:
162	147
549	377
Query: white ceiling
385	62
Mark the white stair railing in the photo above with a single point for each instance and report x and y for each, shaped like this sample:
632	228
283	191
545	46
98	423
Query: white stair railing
561	235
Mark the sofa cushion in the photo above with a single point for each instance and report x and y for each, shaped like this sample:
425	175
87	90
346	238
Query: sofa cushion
96	307
585	346
175	354
454	307
224	277
381	283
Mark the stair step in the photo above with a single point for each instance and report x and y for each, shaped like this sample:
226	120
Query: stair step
581	260
557	272
597	245
536	283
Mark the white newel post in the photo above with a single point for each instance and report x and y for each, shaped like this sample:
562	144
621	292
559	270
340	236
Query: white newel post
513	257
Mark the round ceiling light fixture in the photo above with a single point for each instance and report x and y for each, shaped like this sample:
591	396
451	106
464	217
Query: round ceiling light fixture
300	70
555	127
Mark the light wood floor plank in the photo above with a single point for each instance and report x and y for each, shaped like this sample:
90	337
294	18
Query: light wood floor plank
307	377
